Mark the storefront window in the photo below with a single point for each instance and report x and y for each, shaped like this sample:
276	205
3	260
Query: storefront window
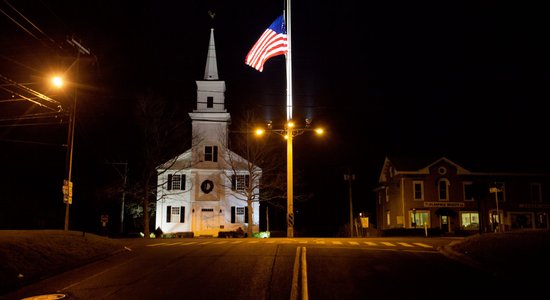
421	217
469	220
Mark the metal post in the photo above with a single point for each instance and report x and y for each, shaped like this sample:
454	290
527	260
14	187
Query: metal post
349	177
496	190
289	204
497	218
123	198
414	218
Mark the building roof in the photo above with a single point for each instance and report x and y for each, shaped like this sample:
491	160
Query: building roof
477	166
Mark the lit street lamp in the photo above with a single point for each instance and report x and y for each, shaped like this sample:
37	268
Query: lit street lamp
289	132
58	82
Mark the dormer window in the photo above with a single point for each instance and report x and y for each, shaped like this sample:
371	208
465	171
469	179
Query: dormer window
209	102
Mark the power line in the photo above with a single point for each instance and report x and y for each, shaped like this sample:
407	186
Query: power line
32	124
30	91
18	24
30	142
28	21
32	116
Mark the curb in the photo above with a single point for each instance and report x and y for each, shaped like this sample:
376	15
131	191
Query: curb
464	259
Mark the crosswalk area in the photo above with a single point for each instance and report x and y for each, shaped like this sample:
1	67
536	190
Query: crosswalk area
371	244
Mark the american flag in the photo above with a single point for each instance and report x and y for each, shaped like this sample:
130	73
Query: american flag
273	42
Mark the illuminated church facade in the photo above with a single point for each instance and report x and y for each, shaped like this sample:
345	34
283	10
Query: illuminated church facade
200	191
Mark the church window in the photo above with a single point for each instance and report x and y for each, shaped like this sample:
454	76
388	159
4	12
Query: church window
176	182
175	213
211	153
239	214
239	182
209	102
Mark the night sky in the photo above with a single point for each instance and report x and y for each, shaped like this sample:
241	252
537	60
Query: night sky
463	79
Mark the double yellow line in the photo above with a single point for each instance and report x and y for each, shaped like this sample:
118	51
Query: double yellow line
300	270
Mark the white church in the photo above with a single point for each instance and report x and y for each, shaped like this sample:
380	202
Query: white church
200	191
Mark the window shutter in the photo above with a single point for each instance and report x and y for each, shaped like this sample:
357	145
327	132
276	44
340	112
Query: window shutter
232	214
247	181
208	153
169	183
215	154
183	182
182	214
246	214
233	182
168	213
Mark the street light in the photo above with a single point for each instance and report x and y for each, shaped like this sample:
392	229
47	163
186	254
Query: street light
58	82
289	132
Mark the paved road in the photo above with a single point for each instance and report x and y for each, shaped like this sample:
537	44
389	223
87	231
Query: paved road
276	268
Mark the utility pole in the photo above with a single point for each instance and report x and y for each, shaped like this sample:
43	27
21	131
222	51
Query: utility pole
350	177
68	184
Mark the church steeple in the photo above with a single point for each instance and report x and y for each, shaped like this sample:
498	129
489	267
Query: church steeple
211	70
211	90
210	119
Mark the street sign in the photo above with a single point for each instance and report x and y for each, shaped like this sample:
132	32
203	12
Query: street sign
494	190
104	220
67	191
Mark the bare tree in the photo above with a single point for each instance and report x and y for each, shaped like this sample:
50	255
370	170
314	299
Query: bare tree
259	160
162	137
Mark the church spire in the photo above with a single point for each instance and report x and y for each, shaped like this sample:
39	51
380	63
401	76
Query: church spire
211	70
211	90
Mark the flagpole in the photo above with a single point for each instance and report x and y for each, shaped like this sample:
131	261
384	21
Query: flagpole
288	66
289	163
